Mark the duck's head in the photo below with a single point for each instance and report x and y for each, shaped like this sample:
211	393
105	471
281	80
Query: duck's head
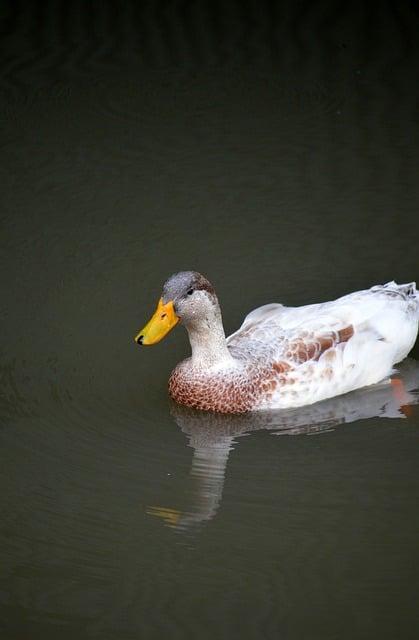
188	297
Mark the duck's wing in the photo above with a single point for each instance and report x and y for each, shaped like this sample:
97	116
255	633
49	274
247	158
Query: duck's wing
288	335
379	323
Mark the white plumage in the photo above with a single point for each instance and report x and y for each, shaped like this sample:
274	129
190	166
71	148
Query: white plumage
332	347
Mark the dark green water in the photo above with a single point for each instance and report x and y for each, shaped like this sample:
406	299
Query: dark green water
276	150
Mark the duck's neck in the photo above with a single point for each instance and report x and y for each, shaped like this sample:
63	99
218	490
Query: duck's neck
208	342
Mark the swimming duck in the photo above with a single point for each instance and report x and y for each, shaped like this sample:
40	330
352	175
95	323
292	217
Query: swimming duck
282	357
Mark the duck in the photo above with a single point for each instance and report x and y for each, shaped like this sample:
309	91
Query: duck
282	357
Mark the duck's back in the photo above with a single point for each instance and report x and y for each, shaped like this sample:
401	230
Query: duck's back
326	349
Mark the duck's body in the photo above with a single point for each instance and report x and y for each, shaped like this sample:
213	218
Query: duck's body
285	357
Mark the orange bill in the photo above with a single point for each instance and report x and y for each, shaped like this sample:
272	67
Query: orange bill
163	320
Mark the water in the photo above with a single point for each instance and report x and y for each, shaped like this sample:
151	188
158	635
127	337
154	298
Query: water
276	151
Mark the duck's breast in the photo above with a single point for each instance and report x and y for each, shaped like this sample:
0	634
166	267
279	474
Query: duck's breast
226	391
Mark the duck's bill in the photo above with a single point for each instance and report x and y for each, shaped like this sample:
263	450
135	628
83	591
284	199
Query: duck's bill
163	320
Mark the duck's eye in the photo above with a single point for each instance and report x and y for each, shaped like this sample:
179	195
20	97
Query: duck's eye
190	292
163	315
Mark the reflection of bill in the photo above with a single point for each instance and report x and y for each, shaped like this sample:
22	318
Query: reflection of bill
212	435
170	516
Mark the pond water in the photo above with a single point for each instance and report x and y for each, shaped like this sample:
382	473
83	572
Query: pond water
277	152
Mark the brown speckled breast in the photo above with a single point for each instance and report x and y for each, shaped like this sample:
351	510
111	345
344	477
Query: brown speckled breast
237	392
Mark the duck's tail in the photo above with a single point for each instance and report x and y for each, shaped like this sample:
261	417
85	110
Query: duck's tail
407	292
409	289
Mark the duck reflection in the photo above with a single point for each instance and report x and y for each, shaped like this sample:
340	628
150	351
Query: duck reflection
213	435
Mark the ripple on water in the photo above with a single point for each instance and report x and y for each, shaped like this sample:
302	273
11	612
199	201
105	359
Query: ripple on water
75	508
